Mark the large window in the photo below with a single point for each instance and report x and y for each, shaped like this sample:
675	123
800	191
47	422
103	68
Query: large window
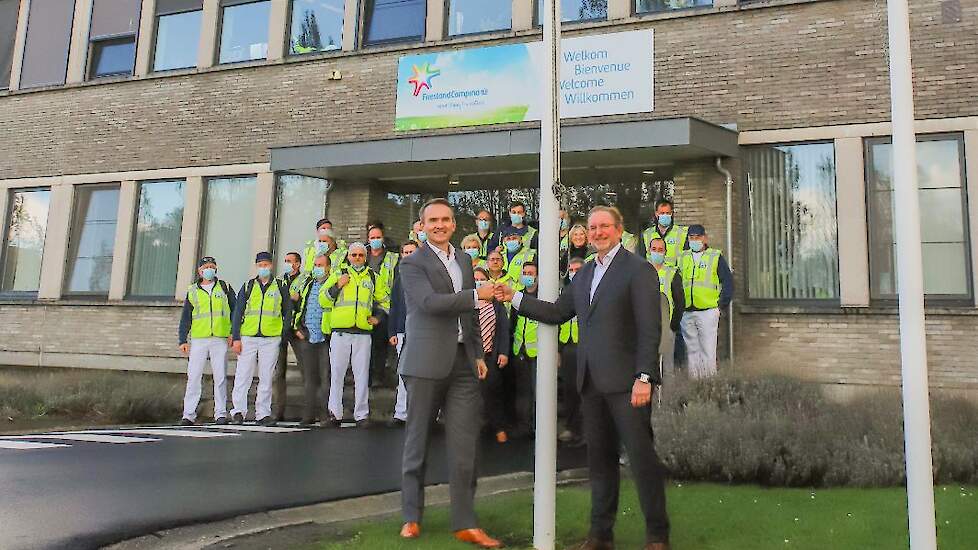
651	6
299	200
244	31
92	239
27	221
475	16
944	227
113	37
317	26
792	246
156	245
8	32
577	10
177	34
229	215
393	20
46	48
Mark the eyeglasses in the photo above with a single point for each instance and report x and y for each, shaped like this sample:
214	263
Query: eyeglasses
358	255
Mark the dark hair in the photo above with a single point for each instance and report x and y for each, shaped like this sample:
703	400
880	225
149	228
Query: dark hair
482	270
575	260
494	251
432	202
296	254
375	224
514	204
664	202
532	264
410	243
491	216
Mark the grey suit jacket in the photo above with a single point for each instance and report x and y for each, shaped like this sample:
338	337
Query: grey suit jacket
434	311
619	329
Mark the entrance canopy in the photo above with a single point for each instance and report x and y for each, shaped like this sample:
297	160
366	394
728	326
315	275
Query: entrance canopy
510	157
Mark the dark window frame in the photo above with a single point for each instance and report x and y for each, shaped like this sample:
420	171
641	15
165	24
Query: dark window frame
96	41
448	19
156	38
930	300
363	23
7	216
5	85
288	36
72	244
132	239
220	32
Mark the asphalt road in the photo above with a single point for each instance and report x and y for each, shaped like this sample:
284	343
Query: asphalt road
87	489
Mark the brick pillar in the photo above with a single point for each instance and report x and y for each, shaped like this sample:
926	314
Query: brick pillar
348	208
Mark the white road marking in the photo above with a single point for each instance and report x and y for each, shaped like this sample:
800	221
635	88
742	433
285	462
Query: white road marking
163	432
263	429
26	445
90	438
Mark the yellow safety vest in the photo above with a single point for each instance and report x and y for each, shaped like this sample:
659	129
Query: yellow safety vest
628	241
263	310
569	332
675	242
387	268
211	315
303	303
525	336
528	237
336	258
665	285
701	281
514	267
355	303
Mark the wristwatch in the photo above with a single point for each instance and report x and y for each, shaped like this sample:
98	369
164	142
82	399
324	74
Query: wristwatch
644	378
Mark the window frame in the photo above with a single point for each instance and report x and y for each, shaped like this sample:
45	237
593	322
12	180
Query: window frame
537	24
363	23
279	255
447	19
937	300
132	239
23	55
95	41
639	14
202	219
220	33
73	244
5	85
808	303
7	216
156	38
288	37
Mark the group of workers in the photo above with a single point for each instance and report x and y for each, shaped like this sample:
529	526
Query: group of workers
342	307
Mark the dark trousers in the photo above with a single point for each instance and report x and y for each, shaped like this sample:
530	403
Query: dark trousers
279	386
571	398
492	394
379	345
610	419
525	373
461	403
314	364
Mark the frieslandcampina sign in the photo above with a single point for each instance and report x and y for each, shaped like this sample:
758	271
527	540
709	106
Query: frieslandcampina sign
605	74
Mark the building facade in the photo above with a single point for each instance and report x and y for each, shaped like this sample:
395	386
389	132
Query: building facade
140	134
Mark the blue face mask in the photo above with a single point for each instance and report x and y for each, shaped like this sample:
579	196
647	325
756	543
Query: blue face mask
516	219
264	272
473	252
422	236
657	257
357	268
483	225
209	273
512	246
480	284
528	280
665	220
376	244
696	246
318	272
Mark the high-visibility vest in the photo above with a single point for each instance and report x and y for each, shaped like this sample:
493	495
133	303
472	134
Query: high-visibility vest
569	332
675	242
336	257
628	241
528	237
701	281
514	267
483	243
303	303
525	336
387	268
211	316
263	310
665	285
355	303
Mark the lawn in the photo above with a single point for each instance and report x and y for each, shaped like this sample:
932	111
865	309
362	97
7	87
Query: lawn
705	517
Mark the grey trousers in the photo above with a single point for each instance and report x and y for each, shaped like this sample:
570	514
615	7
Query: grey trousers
278	380
314	364
460	399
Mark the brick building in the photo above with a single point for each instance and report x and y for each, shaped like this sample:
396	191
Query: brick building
140	134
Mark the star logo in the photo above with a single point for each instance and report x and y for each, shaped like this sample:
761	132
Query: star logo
422	77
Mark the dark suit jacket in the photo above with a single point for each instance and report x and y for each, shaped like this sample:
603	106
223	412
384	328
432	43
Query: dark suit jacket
619	329
434	310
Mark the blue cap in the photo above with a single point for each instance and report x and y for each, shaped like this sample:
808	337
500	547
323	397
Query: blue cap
263	257
696	231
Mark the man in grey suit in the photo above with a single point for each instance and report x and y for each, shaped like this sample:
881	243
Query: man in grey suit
441	364
616	301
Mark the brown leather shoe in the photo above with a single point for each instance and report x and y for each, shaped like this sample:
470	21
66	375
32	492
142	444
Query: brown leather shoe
657	546
478	537
411	530
595	544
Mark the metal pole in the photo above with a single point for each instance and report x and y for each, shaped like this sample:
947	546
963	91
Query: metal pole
545	471
913	345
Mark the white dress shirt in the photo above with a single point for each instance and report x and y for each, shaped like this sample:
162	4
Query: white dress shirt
600	268
455	273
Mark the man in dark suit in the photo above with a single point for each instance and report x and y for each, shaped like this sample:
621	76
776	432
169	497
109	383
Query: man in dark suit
442	362
616	301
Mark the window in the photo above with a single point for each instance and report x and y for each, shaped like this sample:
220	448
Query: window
229	227
943	208
244	31
792	241
92	239
577	10
317	26
8	32
393	20
24	243
177	34
113	37
475	16
299	199
652	6
46	47
156	245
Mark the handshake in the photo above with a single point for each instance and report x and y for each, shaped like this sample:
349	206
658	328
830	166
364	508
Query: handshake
498	291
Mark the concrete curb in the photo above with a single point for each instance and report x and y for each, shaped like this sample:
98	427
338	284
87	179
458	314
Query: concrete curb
194	537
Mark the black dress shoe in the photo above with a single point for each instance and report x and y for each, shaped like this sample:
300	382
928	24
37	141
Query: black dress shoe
222	421
330	422
396	423
186	422
305	422
238	418
364	424
267	421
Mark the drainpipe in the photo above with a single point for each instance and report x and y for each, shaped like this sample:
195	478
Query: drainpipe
729	182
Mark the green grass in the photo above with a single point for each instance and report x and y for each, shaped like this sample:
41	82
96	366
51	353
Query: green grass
503	114
706	517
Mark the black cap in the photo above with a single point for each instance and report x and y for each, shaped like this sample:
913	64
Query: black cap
696	231
263	257
323	222
206	260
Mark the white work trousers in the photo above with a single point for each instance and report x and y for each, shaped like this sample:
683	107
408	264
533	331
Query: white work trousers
263	352
200	350
346	350
400	401
700	336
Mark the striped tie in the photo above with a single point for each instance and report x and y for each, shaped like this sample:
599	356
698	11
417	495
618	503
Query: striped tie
487	325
